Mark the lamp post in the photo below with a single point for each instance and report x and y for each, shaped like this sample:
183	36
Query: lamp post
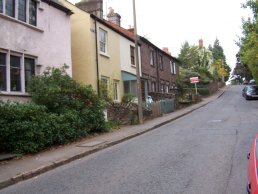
139	91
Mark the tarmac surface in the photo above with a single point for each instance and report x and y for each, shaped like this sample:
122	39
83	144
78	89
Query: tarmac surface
18	169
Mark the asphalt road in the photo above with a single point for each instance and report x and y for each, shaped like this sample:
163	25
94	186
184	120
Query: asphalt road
201	153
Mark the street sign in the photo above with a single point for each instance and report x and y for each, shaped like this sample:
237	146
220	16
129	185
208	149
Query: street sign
194	80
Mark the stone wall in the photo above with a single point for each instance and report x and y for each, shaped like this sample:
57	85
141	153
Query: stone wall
126	114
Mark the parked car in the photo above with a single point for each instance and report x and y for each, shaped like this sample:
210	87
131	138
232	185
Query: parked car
250	92
252	82
252	184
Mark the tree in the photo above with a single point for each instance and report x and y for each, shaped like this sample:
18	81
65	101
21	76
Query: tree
184	55
194	57
248	43
220	66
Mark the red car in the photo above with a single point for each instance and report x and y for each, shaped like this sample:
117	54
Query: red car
252	185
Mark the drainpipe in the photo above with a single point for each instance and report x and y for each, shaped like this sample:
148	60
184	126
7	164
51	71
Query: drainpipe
157	61
97	55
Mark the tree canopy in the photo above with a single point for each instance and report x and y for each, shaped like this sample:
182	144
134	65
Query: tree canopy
248	43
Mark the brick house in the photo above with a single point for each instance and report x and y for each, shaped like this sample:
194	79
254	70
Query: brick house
159	70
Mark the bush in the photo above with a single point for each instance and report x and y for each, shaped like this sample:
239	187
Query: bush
62	110
204	91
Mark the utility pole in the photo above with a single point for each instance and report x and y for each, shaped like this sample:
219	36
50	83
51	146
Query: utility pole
139	91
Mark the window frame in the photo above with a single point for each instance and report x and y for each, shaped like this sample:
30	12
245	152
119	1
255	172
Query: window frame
102	42
160	62
16	84
152	57
4	67
132	55
29	10
32	71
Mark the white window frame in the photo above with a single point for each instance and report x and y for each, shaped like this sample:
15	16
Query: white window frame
22	57
103	42
152	58
174	68
132	55
16	11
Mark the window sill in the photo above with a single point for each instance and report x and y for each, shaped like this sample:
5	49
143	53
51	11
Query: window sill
104	54
133	66
20	22
19	94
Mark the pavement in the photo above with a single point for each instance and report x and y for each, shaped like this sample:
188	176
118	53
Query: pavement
22	168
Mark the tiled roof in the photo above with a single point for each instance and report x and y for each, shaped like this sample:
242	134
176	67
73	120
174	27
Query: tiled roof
127	33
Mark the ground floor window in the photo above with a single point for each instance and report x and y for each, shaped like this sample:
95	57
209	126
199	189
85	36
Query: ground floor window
130	87
16	70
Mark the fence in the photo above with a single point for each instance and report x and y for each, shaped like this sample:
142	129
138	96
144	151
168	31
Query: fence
162	107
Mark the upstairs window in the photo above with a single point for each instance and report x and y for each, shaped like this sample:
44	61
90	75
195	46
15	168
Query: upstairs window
152	59
132	51
1	6
33	13
160	62
23	10
103	41
173	67
10	8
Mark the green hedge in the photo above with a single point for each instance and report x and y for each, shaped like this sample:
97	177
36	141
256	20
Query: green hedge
27	128
62	110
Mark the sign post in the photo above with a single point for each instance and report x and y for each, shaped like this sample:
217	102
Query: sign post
194	80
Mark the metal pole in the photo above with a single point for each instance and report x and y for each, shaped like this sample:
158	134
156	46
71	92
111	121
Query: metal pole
139	91
195	88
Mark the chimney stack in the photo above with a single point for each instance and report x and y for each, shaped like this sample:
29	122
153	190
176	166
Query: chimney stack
200	42
113	17
94	7
165	49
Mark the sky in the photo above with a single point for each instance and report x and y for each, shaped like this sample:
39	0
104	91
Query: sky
170	23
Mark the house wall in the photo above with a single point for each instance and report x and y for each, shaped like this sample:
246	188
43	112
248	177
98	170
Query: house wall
83	46
125	58
49	42
109	64
88	66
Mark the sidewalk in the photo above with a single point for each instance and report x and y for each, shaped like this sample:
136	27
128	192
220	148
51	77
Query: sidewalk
16	170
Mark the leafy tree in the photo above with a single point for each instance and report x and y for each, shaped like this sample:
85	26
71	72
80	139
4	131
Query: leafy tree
184	56
220	66
193	57
248	43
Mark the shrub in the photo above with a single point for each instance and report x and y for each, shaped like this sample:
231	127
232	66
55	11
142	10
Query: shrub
62	110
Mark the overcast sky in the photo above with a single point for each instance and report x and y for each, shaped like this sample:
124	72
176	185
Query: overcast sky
169	23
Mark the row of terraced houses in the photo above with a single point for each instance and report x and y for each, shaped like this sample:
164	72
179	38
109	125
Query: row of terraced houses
37	34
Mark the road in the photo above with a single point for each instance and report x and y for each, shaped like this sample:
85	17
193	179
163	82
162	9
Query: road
203	152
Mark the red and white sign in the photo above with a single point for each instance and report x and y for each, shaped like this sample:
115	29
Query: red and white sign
194	80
